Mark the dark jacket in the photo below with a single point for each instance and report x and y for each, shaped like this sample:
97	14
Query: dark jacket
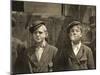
68	61
27	61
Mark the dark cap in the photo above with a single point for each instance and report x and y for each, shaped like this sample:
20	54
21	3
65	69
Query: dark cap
73	23
35	25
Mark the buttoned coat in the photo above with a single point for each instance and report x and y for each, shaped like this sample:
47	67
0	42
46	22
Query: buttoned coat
27	61
67	60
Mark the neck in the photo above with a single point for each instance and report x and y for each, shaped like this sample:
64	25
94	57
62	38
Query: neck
40	43
76	42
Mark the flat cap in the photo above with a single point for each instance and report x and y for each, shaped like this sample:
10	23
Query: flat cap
73	23
35	25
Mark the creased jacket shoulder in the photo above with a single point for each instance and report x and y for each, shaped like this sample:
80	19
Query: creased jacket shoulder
27	62
68	61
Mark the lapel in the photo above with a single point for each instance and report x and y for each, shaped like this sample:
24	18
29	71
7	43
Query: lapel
71	54
44	56
32	55
68	53
81	52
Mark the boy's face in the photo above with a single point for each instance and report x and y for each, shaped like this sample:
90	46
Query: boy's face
75	33
40	34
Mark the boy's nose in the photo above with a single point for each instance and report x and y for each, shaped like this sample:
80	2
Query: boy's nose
37	34
74	32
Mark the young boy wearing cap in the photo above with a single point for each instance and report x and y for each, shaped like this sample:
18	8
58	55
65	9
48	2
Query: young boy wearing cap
75	55
38	58
83	58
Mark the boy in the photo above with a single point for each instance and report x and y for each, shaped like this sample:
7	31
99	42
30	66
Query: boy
75	55
40	56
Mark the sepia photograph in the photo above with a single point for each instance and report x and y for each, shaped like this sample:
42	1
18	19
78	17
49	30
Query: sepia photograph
52	37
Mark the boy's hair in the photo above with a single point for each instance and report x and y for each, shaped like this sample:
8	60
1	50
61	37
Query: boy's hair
72	24
34	26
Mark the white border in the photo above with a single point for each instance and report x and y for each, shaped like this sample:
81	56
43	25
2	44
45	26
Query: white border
82	2
5	36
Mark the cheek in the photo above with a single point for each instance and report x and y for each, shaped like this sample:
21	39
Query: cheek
43	35
80	34
33	35
73	37
71	34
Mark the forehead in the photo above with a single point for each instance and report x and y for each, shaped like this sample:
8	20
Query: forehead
42	28
78	27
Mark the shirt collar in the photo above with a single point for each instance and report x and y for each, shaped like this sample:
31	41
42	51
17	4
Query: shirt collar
77	45
42	45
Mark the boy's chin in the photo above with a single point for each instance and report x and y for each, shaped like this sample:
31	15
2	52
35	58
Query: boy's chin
75	40
38	41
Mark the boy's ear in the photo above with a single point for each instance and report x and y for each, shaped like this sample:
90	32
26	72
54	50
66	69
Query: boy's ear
81	35
46	34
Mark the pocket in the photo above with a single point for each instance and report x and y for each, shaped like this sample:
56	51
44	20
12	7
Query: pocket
50	67
83	62
83	59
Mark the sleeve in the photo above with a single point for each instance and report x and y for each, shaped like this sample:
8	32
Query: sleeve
21	64
59	62
51	64
90	60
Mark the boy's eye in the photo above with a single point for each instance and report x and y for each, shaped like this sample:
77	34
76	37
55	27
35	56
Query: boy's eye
77	30
40	32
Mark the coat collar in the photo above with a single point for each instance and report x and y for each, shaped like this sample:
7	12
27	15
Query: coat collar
70	53
32	55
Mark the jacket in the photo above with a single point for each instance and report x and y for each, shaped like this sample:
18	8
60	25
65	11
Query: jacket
68	61
27	61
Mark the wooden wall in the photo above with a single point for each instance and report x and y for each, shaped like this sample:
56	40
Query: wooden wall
51	14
